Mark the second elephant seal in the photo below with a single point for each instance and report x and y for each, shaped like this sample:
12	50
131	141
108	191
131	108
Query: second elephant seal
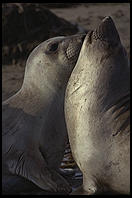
98	113
33	126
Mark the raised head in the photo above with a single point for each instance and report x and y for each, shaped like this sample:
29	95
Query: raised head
104	60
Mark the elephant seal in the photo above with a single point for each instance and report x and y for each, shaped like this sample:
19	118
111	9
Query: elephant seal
97	112
33	125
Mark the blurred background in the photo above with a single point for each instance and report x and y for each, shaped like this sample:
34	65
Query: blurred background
25	25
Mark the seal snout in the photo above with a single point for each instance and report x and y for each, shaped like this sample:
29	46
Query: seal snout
74	46
79	37
107	31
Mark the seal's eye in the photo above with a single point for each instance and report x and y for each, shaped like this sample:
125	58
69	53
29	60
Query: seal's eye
53	47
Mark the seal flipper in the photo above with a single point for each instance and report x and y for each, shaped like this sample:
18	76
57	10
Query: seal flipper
62	185
34	168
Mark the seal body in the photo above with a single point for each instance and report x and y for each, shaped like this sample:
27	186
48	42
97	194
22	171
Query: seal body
97	112
33	125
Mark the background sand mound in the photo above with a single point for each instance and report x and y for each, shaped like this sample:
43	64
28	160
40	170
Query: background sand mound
25	25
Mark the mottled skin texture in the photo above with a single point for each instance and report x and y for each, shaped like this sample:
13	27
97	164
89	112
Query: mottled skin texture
33	125
97	112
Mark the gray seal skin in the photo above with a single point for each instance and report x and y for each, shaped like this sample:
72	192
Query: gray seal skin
33	125
97	112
